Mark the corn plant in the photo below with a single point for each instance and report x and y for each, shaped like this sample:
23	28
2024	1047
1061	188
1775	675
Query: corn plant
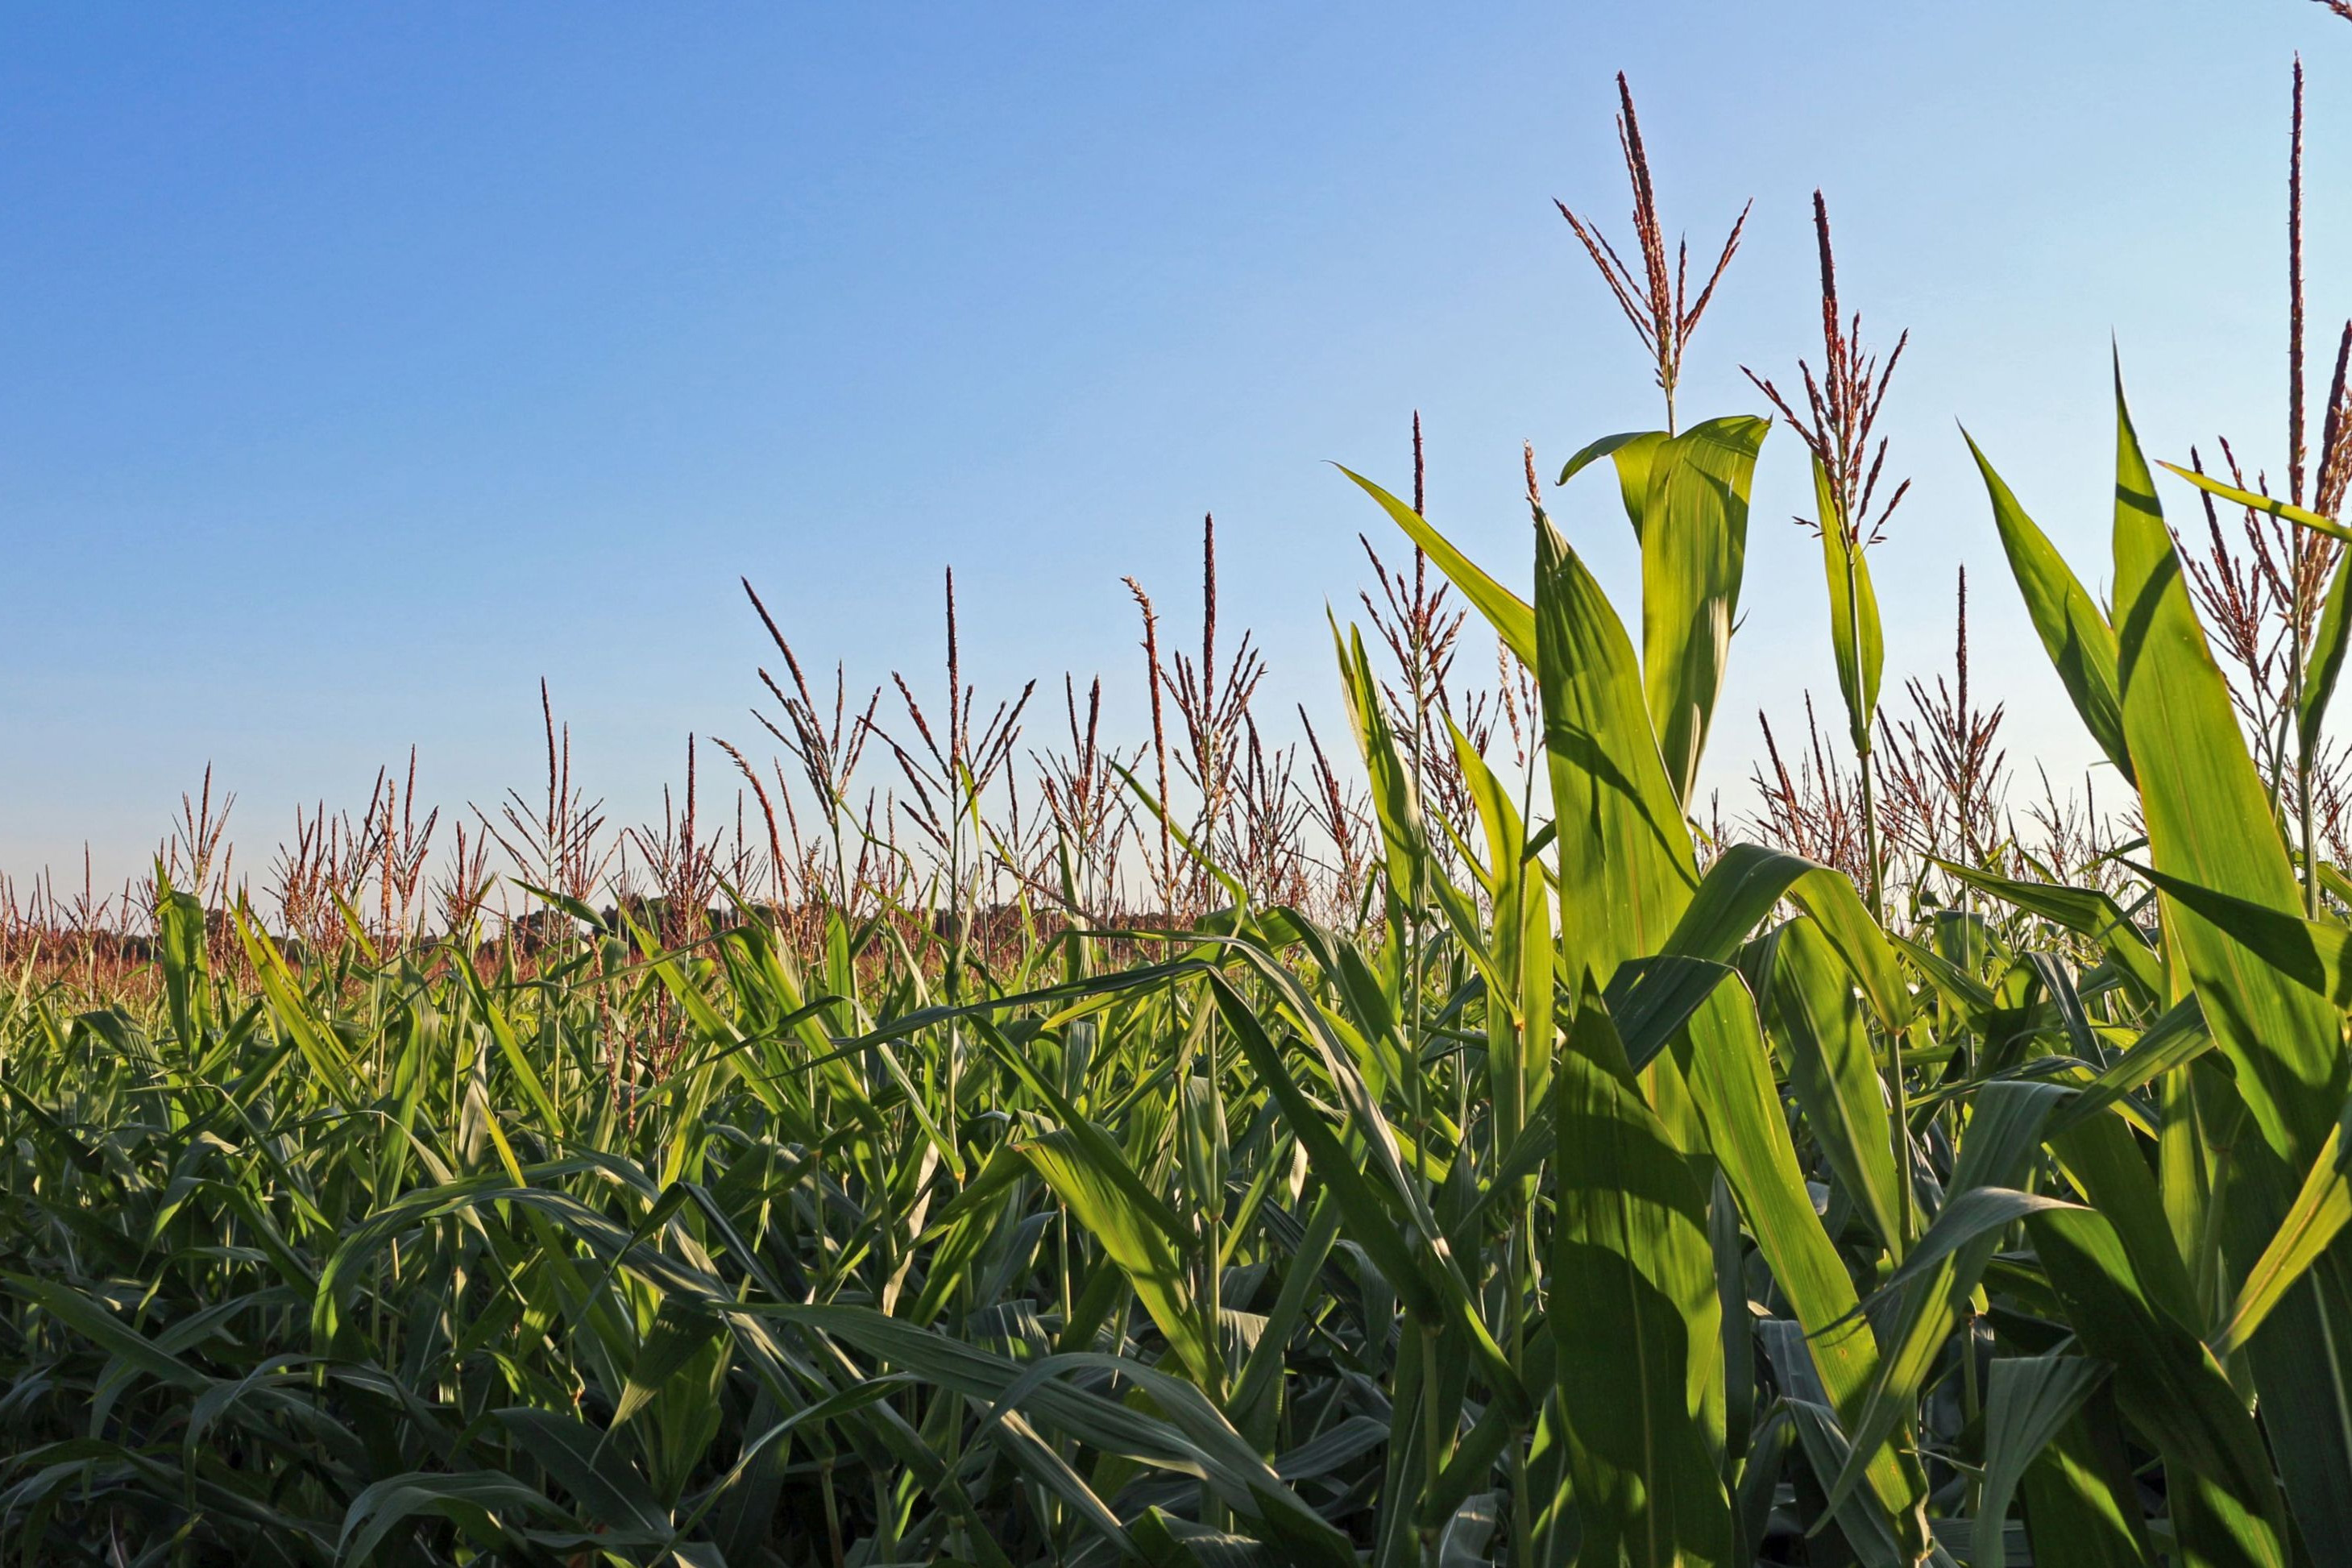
1572	1188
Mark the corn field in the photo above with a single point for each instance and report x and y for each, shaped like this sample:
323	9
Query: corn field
1475	1150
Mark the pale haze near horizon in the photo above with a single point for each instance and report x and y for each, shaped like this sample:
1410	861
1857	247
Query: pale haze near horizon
358	368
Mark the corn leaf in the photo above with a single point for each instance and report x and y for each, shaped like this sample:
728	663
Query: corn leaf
1693	556
2226	1505
2028	1401
1731	1075
1855	637
2285	511
1131	1235
2320	1212
1634	1317
1631	454
1834	1076
2084	910
1747	881
2210	823
2323	662
1508	614
2078	637
1625	865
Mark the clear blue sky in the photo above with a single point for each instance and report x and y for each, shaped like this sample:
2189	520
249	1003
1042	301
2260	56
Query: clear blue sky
361	364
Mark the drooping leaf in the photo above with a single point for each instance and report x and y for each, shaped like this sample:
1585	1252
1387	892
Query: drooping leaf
680	1330
478	1501
605	1489
1951	1256
2084	910
1741	888
2082	1502
1631	455
2316	956
1181	1431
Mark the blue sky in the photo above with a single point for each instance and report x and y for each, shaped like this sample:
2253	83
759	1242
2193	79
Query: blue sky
361	365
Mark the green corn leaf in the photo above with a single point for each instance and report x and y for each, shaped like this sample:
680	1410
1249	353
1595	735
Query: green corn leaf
1693	556
320	1050
2028	1401
2264	1217
605	1489
1731	1297
2084	910
2082	1501
1368	1222
1634	1316
2285	511
1181	1431
475	1500
1651	999
1947	1265
2226	1506
1164	1540
1624	857
1508	614
1631	454
2177	1038
1098	1151
1833	1075
2316	956
93	1322
1396	799
1152	1257
855	1397
518	1059
2103	1159
1522	946
1747	881
1854	634
1963	993
1463	1543
1416	1266
2078	637
680	1331
1731	1075
1870	1533
2003	1134
1256	1390
2323	662
180	923
1476	1455
2320	1211
2210	823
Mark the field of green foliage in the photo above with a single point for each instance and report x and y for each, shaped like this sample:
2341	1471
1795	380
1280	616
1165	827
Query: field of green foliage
1499	1165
